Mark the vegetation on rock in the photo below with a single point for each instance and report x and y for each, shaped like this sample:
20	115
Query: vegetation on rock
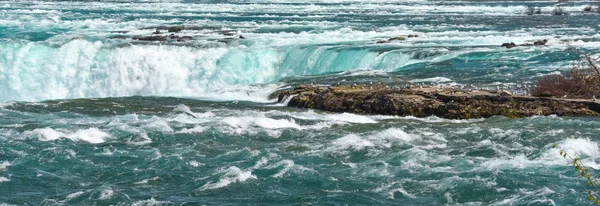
582	81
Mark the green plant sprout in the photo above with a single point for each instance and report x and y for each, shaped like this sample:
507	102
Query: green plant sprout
584	172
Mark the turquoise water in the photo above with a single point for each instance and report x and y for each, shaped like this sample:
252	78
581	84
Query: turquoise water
90	119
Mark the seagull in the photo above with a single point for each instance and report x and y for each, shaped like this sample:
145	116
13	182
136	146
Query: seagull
565	96
235	101
594	98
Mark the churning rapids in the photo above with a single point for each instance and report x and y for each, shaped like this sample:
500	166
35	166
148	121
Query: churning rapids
90	118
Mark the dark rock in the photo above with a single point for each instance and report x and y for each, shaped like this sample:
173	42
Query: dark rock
413	36
176	28
382	41
173	36
118	37
397	39
151	38
242	37
184	38
157	32
540	42
440	102
226	40
509	45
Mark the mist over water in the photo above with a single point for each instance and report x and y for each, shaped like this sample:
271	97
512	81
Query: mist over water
89	116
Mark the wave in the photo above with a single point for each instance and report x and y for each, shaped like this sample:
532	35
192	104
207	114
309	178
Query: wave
91	135
230	175
82	69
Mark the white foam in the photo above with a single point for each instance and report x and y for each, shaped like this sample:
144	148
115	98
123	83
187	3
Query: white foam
4	179
150	202
195	163
391	189
196	129
48	134
145	181
336	118
402	191
230	175
584	149
287	166
74	195
107	194
90	135
4	164
524	195
183	108
394	134
433	79
381	139
434	119
158	124
352	141
142	139
7	104
243	125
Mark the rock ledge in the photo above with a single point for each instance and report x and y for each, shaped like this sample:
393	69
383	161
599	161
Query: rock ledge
443	102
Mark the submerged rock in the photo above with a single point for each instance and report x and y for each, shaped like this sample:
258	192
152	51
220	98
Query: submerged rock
442	102
399	38
509	45
536	43
540	42
175	28
184	38
151	38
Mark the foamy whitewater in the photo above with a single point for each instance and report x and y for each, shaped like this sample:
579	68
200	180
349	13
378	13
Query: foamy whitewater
89	116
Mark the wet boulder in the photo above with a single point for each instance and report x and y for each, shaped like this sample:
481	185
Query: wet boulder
229	33
399	38
413	36
184	38
540	42
118	37
509	45
151	38
176	28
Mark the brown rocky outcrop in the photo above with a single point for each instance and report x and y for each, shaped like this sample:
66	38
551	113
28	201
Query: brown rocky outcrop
442	102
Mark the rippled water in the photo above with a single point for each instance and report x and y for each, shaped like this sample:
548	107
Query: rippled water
90	119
